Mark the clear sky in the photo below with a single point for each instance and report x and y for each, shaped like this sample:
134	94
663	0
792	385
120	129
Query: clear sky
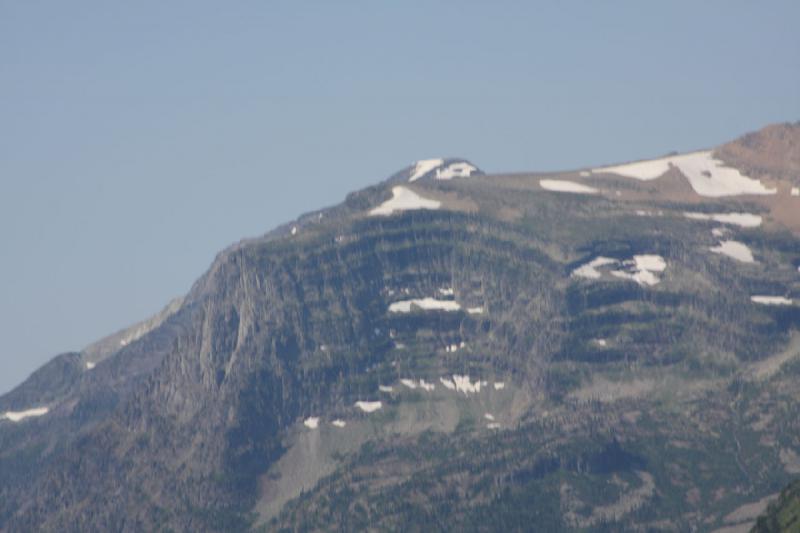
137	139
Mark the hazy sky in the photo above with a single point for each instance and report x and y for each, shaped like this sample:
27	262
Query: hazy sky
137	139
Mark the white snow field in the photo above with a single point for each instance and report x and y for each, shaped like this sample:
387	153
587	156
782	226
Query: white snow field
428	304
465	385
90	365
423	166
426	386
707	176
404	199
795	191
410	383
567	186
641	170
735	250
311	422
475	310
771	300
18	416
745	220
339	423
642	269
385	388
368	407
455	170
589	270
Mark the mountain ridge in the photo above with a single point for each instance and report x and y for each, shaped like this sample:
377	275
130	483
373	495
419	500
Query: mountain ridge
198	422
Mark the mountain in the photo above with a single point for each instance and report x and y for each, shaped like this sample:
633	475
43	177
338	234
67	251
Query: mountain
611	348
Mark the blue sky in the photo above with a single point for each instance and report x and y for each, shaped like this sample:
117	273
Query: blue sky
137	139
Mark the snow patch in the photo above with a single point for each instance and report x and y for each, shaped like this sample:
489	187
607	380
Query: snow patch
455	170
475	310
424	166
589	270
424	385
339	423
735	250
493	425
771	300
641	170
745	220
584	173
489	416
601	342
385	388
369	407
410	383
652	262
646	213
643	277
311	422
499	385
447	383
642	269
404	199
465	385
707	176
18	416
90	365
428	304
448	291
718	232
795	191
567	186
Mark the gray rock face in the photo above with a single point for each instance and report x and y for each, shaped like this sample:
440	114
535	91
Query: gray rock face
473	366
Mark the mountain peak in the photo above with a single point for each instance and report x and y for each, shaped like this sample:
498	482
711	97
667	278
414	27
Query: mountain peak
440	169
553	341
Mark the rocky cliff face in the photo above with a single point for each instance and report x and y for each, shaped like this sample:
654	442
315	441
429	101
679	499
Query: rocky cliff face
608	347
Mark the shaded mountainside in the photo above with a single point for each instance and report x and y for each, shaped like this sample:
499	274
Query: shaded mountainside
448	350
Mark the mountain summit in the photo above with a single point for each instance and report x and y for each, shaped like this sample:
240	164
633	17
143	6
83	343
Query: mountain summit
613	347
